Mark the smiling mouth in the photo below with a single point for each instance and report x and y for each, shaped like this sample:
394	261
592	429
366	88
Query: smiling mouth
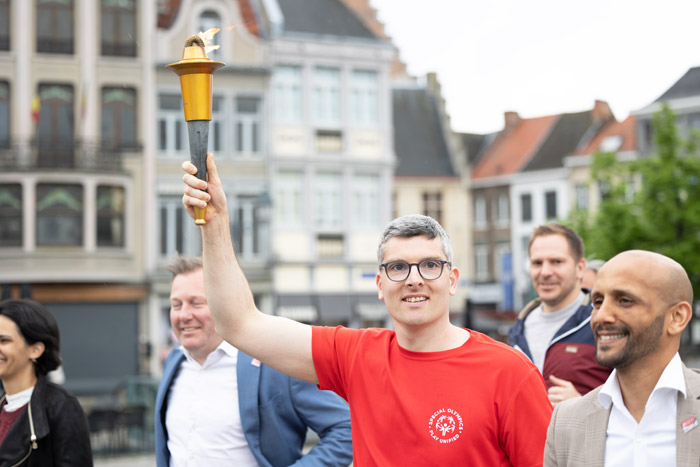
188	329
610	337
415	299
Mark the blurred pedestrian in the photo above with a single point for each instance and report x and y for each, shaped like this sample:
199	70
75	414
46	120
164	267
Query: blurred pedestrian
41	424
590	273
553	330
647	411
217	406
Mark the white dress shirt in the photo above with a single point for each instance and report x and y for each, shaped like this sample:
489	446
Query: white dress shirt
652	441
203	419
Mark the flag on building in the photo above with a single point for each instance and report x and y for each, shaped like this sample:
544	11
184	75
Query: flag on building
36	108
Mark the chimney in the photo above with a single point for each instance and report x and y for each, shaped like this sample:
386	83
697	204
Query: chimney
601	111
512	119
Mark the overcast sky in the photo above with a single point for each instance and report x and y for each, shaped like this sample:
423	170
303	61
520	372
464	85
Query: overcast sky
543	57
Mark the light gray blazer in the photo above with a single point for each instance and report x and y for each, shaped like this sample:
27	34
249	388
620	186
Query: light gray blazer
577	431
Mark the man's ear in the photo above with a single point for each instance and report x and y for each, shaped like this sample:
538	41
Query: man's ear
680	315
378	280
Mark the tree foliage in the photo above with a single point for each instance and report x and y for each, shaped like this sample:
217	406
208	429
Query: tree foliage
661	213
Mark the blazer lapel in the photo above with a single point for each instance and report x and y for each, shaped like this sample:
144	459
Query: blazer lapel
688	437
169	373
596	434
248	376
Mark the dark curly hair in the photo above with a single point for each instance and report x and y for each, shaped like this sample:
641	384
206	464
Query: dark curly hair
36	324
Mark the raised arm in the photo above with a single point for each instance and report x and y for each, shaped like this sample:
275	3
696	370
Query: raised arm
278	342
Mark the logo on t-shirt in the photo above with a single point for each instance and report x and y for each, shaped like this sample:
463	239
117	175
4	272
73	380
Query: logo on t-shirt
445	426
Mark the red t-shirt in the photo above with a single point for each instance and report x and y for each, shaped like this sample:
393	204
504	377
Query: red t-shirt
481	404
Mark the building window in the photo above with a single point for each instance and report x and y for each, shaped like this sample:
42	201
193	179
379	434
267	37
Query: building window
245	226
581	196
630	190
330	246
55	127
10	215
289	199
480	219
647	134
59	215
248	125
603	190
329	141
118	117
502	252
365	199
526	207
610	143
110	216
432	205
287	92
364	98
4	24
54	26
177	231
171	132
218	116
501	210
693	123
119	28
208	20
4	114
328	200
550	201
326	96
481	262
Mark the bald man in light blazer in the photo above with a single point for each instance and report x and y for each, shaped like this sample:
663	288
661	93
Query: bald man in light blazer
647	412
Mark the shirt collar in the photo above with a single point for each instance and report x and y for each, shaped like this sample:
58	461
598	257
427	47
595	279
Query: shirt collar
223	349
671	378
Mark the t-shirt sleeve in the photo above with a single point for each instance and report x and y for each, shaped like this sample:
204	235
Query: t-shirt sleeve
524	427
328	347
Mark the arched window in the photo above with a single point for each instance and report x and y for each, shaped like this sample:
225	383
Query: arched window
207	20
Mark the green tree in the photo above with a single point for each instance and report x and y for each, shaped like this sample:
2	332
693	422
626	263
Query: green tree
662	214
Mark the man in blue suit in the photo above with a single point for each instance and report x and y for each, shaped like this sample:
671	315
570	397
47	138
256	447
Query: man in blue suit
217	406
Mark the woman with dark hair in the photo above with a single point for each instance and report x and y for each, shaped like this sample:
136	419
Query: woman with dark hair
41	424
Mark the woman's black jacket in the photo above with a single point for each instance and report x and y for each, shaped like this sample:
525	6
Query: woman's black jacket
56	434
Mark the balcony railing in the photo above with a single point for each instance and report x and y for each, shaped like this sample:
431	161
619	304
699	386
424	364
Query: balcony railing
118	50
64	155
54	46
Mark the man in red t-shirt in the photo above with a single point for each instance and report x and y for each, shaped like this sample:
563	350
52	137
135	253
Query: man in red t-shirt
428	393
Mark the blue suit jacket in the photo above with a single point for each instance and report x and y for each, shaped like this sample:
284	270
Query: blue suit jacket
276	411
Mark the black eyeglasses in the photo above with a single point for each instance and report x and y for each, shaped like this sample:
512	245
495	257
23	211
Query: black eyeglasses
429	269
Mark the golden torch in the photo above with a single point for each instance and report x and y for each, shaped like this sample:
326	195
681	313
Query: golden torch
195	71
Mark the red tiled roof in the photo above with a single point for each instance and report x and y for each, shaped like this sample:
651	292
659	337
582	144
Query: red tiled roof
248	17
167	13
170	9
511	150
624	129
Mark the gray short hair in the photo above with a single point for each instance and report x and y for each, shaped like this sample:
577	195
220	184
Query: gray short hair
414	225
595	264
184	264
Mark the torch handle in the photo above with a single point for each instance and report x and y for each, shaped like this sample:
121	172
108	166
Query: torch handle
198	131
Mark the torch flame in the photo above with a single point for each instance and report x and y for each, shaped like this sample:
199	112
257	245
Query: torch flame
207	37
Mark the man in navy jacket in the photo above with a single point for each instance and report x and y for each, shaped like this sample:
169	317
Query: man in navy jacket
217	406
554	330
